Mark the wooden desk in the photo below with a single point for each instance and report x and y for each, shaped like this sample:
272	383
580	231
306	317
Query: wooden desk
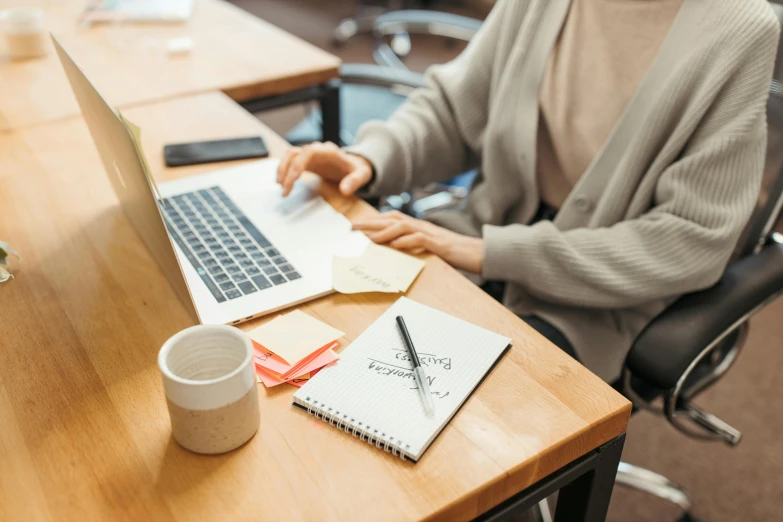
85	433
233	51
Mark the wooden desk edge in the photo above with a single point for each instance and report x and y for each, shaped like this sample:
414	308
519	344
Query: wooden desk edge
519	478
251	91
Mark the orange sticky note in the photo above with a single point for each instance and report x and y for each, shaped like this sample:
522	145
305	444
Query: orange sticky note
316	360
275	367
268	360
300	381
270	381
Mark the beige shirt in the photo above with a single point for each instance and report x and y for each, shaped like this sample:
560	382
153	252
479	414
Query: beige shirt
601	56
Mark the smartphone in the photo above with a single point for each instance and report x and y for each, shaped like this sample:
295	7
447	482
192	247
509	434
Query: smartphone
181	154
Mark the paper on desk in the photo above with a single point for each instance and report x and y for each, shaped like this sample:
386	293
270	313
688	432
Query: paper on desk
318	360
294	336
298	368
301	380
135	132
269	380
378	269
277	368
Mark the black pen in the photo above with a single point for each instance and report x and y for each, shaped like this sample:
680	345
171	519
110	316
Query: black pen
418	371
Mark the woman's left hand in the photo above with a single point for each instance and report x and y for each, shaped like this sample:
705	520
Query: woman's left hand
415	236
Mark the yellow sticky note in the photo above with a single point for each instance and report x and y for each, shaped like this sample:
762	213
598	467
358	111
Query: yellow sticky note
378	269
401	267
135	132
294	336
353	275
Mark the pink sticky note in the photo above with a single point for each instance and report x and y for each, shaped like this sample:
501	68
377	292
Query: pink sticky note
319	359
267	359
270	380
272	364
267	379
298	382
327	358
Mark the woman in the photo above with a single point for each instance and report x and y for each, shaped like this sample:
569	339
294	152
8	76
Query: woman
620	144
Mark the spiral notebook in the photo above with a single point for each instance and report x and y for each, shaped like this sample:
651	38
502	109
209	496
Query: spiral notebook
371	393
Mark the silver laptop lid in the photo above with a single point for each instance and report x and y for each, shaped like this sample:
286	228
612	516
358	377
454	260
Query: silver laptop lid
127	174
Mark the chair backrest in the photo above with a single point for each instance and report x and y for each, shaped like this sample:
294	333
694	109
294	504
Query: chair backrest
768	210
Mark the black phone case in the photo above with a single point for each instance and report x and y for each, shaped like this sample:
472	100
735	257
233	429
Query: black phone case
181	154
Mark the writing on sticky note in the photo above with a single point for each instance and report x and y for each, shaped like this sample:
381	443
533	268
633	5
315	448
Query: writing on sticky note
294	336
270	380
353	276
301	380
378	269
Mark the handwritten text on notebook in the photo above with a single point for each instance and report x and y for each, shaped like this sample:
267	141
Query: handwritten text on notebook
401	369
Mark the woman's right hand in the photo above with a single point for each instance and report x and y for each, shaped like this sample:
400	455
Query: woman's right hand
349	171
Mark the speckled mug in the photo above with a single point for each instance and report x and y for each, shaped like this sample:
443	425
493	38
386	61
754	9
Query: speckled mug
210	385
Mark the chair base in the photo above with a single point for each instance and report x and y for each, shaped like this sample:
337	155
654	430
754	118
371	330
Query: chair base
656	485
544	514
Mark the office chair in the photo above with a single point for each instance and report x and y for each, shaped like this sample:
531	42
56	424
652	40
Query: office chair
396	26
694	342
364	22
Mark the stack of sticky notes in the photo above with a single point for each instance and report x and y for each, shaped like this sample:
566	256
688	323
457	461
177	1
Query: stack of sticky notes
292	348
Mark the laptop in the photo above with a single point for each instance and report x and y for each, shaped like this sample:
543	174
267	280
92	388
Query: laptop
231	246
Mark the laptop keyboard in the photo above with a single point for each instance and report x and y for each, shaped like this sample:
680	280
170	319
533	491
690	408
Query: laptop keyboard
228	252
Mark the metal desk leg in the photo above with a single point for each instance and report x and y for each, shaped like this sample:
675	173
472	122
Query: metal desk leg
330	112
327	95
586	499
585	487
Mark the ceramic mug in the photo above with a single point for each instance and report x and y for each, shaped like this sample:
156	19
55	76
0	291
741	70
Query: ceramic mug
25	33
210	385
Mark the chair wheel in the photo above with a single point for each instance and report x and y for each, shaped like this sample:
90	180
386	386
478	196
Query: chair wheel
687	517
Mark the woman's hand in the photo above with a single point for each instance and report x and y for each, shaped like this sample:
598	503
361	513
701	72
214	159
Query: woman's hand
327	160
416	236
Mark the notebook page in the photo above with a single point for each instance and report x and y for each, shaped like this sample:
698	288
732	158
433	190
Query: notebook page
372	388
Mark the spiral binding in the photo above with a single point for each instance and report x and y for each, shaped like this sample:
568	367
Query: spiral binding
350	426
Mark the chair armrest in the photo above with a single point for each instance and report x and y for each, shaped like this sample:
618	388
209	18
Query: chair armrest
416	21
380	76
670	343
